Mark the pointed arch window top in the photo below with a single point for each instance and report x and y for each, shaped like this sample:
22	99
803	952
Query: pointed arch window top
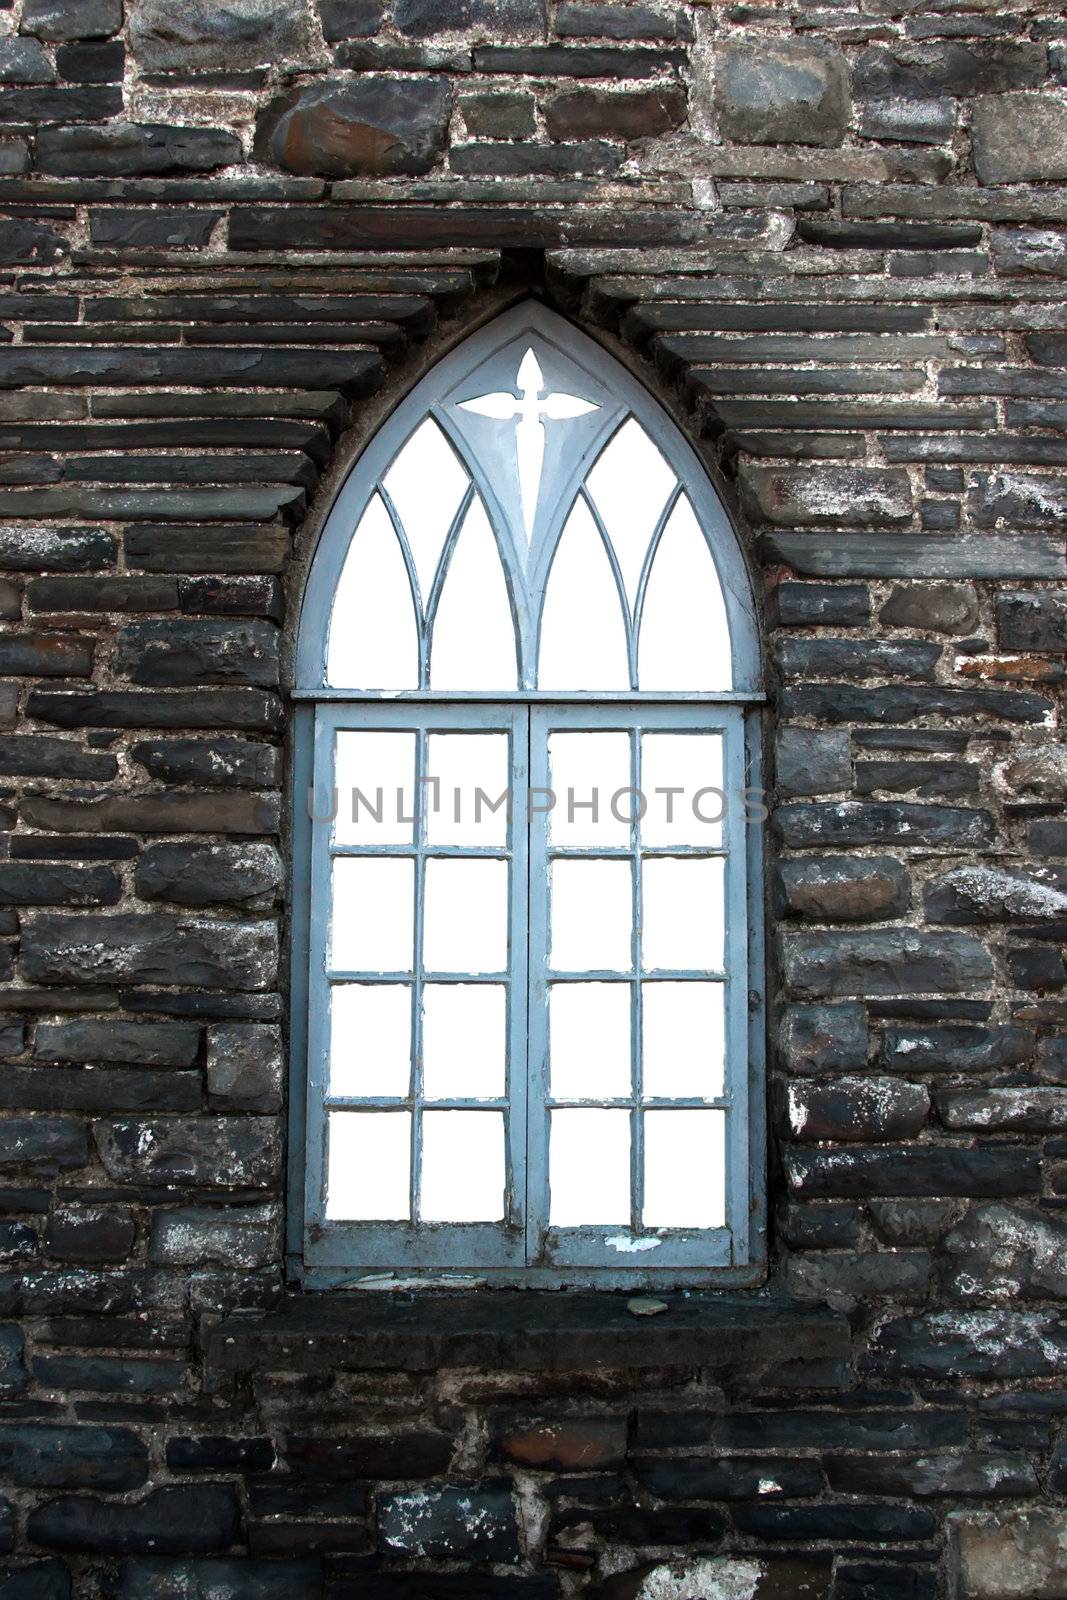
528	520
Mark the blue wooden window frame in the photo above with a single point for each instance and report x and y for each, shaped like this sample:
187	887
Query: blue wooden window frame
523	1250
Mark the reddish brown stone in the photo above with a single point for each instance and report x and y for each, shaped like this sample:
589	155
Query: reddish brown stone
585	113
369	127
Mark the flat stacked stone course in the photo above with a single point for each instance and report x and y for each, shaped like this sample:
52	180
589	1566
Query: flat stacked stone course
834	241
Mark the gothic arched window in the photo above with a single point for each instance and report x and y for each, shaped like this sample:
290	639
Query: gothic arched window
525	878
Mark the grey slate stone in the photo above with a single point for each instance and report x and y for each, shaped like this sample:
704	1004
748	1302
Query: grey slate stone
816	1038
997	1555
170	1520
910	555
970	1475
911	121
1019	138
212	1151
985	893
208	874
214	763
222	1578
1032	620
503	19
224	1236
72	19
810	761
24	61
1042	251
929	70
44	1144
790	90
126	149
245	1066
943	608
130	949
828	496
475	1521
199	36
153	1044
890	962
369	127
999	1253
37	1580
903	822
855	1108
842	889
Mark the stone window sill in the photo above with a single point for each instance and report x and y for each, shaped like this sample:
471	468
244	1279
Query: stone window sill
523	1330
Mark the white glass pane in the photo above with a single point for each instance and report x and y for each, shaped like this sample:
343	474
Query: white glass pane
465	925
589	1168
592	915
373	914
583	634
692	764
369	1173
462	1166
370	1039
463	1041
682	924
374	775
473	645
374	641
472	773
589	1041
684	642
629	485
685	1175
587	773
426	484
684	1040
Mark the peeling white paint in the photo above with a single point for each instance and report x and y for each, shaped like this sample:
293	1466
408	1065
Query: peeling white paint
628	1244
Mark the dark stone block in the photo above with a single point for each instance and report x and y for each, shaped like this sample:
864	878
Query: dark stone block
956	1049
154	1044
782	90
216	1453
834	235
926	71
92	62
46	655
948	608
400	1453
725	1478
57	1456
100	1090
192	36
820	1037
992	1344
46	1144
593	113
832	496
810	761
237	1152
853	822
833	1523
29	755
31	244
820	1227
1002	1253
72	19
209	874
349	19
232	1578
968	895
24	883
245	1069
245	710
474	1522
902	555
13	1377
40	1580
806	605
1004	1110
122	149
1032	621
498	116
226	1236
219	549
24	61
842	889
854	1109
91	103
852	1430
142	230
575	61
621	22
149	949
233	597
423	19
561	1444
843	702
213	763
856	658
200	1518
30	549
1004	1170
426	227
111	1374
95	1234
947	780
380	127
1023	499
593	158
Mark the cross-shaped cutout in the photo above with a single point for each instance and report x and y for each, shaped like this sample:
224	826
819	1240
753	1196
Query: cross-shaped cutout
528	410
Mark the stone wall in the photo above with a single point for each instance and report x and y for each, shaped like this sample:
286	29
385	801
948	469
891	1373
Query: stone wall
833	242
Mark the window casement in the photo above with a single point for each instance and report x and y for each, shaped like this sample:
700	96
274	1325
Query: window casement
527	943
